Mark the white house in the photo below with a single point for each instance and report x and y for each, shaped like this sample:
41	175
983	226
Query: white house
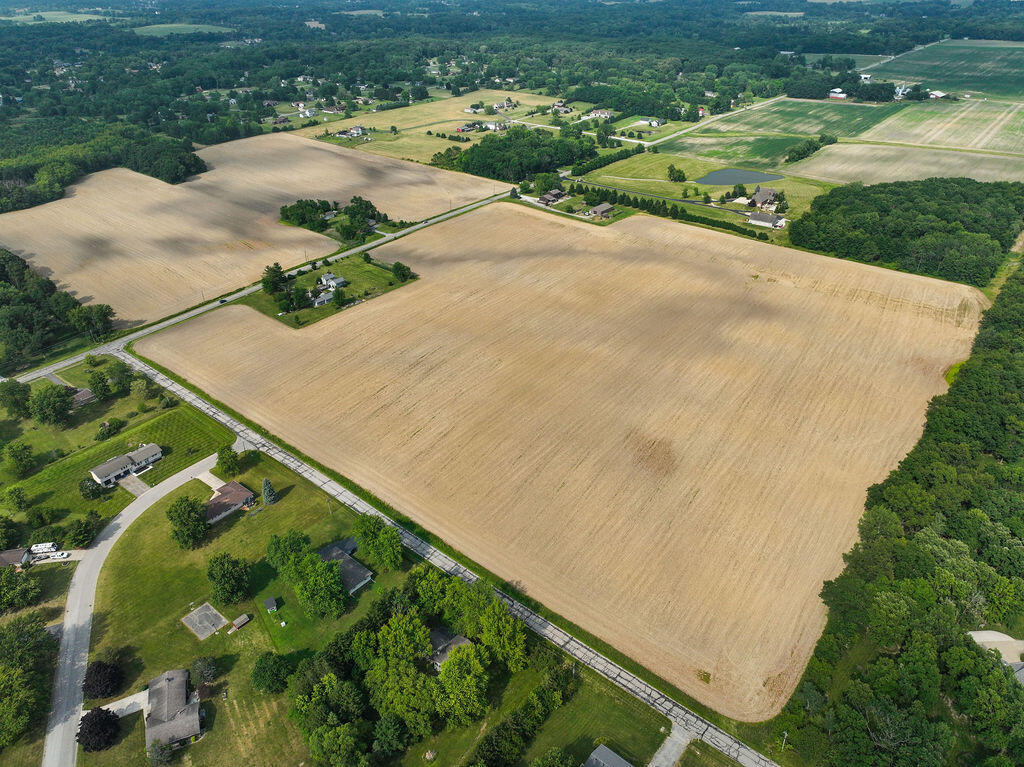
836	93
109	472
604	114
654	122
330	280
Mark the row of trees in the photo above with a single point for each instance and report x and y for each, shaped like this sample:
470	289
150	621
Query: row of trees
941	552
34	314
809	146
600	161
952	228
521	153
27	652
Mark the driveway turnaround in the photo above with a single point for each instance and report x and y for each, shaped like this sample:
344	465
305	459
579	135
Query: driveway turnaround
60	748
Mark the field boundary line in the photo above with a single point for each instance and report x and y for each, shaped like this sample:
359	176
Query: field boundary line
700	727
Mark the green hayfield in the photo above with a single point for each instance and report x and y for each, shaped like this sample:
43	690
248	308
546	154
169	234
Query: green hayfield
861	59
163	30
805	118
51	16
995	126
989	67
647	174
148	583
185	434
366	281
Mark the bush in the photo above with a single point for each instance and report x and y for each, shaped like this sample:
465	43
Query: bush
203	670
102	680
79	532
98	730
270	673
90	489
108	430
227	462
229	578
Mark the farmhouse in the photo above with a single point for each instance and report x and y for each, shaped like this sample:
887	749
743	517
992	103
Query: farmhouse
473	110
109	472
14	558
172	715
604	114
602	756
80	397
602	210
321	298
769	220
227	499
443	642
836	93
330	280
654	122
506	104
865	77
763	196
551	197
353	574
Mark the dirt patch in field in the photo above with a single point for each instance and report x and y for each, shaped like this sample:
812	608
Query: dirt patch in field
663	433
151	249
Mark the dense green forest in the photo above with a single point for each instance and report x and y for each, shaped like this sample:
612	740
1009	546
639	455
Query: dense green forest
27	652
522	152
894	679
34	313
953	228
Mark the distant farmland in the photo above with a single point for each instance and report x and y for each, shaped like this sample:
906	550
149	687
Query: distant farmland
809	118
661	432
150	249
989	67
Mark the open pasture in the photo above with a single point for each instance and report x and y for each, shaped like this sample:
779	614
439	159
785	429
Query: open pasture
806	118
969	124
758	151
874	163
51	17
987	67
151	249
661	432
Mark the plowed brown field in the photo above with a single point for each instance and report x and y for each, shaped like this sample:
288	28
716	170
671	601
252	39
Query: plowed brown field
661	432
151	249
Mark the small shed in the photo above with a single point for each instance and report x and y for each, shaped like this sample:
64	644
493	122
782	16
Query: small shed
240	621
271	604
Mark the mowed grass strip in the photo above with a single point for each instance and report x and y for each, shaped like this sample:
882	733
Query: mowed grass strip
805	118
750	150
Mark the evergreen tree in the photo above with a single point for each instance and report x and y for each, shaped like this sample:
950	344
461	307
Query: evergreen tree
269	493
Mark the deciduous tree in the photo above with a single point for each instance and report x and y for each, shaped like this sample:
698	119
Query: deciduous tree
188	521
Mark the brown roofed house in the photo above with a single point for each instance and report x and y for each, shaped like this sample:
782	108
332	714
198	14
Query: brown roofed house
228	499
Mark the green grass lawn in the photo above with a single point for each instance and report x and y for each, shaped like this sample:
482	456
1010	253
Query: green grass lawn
163	30
366	281
699	754
129	750
185	434
599	712
78	375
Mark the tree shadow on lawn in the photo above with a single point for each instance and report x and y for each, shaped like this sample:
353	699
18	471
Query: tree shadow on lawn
260	576
100	626
225	665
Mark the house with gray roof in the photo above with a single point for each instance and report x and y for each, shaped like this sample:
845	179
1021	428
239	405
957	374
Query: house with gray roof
172	715
602	210
443	642
602	756
353	574
118	467
769	220
14	557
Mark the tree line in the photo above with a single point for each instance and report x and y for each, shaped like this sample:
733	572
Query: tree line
521	153
951	228
894	679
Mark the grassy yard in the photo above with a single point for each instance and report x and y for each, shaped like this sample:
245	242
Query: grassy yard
78	375
184	434
699	754
129	750
55	579
648	174
366	281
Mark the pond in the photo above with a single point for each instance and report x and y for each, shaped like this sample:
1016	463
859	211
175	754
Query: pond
733	176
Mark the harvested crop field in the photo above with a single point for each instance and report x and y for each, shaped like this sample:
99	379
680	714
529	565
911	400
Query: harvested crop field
151	249
874	164
661	432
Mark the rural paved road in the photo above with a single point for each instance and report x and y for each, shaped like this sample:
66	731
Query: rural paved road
60	748
680	716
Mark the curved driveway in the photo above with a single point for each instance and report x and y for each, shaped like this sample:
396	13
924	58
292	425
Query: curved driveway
61	749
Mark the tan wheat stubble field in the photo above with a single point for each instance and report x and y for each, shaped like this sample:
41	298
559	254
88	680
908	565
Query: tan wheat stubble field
151	249
661	432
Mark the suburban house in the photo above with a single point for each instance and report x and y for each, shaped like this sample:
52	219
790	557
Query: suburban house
763	196
354	132
506	104
602	756
604	114
654	122
109	472
551	197
14	558
330	280
836	93
172	715
769	220
227	499
353	574
443	642
80	397
602	210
